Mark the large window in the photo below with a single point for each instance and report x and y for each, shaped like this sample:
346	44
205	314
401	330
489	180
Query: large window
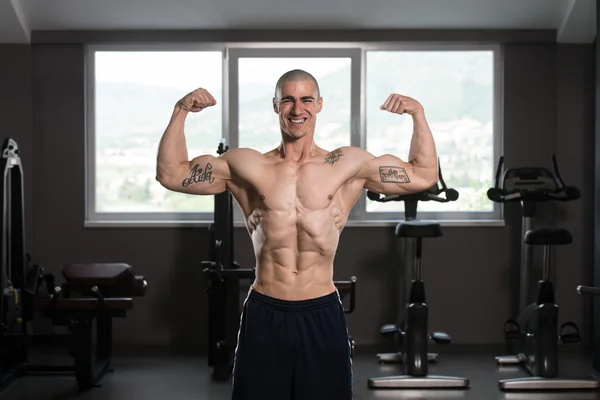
132	98
457	90
132	91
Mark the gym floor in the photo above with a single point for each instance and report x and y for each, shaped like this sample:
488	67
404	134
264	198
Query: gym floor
148	375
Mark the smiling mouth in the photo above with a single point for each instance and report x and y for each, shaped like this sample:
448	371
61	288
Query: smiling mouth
297	121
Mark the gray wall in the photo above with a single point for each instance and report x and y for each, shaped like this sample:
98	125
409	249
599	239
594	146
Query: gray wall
575	151
548	108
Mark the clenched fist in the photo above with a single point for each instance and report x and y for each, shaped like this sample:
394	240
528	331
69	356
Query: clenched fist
197	100
399	104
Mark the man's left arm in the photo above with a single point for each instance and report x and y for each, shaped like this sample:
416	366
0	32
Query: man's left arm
389	174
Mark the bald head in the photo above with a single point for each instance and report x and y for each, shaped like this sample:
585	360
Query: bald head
294	76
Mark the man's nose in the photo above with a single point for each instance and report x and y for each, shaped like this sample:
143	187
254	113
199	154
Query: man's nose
296	107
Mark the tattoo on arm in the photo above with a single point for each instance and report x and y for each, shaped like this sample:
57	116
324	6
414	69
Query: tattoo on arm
198	175
333	157
393	175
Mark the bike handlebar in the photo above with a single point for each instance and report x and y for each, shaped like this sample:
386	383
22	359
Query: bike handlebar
566	193
451	195
561	193
590	290
431	194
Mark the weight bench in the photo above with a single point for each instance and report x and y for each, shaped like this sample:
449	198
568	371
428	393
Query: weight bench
91	292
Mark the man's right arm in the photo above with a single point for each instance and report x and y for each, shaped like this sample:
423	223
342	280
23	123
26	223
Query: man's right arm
203	175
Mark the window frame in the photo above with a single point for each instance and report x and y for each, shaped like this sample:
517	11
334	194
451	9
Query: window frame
237	52
232	52
446	218
129	219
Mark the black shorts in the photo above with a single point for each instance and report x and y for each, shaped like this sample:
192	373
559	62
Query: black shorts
292	350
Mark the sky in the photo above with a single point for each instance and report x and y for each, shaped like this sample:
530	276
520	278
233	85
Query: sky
189	70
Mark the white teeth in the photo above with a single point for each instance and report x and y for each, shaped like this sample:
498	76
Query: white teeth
297	121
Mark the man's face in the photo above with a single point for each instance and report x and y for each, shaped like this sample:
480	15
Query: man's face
297	105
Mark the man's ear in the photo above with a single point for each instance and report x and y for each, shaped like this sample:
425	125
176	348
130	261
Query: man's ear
275	106
319	104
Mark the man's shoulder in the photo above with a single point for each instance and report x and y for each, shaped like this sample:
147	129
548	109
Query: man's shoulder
349	151
243	152
346	157
346	149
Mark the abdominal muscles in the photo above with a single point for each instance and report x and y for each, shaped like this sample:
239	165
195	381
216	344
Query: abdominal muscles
295	249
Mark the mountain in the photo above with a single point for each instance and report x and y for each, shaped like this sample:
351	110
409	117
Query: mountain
132	115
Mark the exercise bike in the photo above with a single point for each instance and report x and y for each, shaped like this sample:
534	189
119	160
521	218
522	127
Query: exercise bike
535	333
412	330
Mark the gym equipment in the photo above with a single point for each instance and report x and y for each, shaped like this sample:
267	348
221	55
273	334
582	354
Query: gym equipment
105	291
412	332
223	276
589	290
92	294
411	202
348	289
592	291
16	297
535	331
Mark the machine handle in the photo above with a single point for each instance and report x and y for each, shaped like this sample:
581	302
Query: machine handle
347	287
451	195
594	291
431	194
495	194
566	194
562	193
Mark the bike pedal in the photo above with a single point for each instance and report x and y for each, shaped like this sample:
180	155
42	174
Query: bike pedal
512	330
440	338
512	335
571	337
389	330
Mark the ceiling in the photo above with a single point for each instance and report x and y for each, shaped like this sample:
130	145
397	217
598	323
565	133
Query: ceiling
573	20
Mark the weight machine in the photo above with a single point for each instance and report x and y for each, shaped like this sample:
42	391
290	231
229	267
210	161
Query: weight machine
91	294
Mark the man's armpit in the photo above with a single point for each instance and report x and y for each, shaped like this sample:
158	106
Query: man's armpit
393	175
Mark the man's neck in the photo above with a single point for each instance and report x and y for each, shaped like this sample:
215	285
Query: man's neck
297	150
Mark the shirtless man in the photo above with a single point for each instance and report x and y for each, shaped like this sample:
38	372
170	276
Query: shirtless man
293	340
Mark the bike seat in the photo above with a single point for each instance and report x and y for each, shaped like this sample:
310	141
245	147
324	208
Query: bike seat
548	236
418	229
